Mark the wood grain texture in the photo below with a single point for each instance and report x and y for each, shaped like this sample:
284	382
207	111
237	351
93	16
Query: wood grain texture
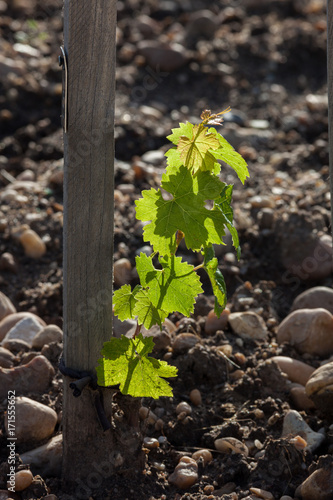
88	186
89	454
330	93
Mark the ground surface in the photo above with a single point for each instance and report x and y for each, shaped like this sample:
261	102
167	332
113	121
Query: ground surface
266	60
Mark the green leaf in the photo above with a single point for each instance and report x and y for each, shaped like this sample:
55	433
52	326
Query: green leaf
186	211
148	315
227	154
194	149
184	129
224	205
126	362
124	301
216	279
172	288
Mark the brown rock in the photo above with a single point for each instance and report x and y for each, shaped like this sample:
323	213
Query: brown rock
9	321
122	271
309	330
8	263
6	358
185	473
184	342
296	371
320	388
33	421
300	398
33	377
213	323
51	333
5	495
248	325
6	306
45	459
316	297
34	246
318	486
162	57
23	479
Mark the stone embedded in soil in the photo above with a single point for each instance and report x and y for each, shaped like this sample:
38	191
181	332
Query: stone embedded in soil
300	398
308	330
248	325
231	445
46	459
9	321
8	263
319	388
296	371
23	479
7	358
48	334
165	57
313	298
213	323
203	454
260	493
122	272
16	345
33	377
32	243
195	397
26	330
6	306
294	425
318	486
185	473
33	420
184	342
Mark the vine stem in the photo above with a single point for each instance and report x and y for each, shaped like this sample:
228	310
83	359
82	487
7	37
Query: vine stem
200	266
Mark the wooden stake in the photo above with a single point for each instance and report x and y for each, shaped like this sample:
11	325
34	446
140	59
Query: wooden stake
91	454
330	94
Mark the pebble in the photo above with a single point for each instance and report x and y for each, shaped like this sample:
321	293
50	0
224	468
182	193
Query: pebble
6	306
23	479
204	454
155	157
260	493
33	420
318	296
213	323
231	445
48	334
46	459
185	473
318	486
183	407
26	330
33	377
6	358
201	24
319	387
266	218
248	325
184	342
150	443
33	245
16	346
300	398
165	58
316	102
308	330
11	66
294	425
26	50
195	397
8	263
296	371
122	271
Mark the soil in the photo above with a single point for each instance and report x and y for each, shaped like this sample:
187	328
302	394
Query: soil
266	60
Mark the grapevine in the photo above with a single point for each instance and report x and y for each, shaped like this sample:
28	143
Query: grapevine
192	178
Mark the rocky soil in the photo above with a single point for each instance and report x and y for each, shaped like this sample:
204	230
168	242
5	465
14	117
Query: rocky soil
252	411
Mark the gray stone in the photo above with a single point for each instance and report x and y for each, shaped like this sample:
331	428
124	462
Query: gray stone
51	333
294	425
46	459
26	330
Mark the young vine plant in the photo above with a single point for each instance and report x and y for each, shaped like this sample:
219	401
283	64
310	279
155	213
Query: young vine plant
192	179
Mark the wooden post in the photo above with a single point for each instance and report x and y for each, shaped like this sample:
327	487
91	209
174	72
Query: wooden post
90	454
330	94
